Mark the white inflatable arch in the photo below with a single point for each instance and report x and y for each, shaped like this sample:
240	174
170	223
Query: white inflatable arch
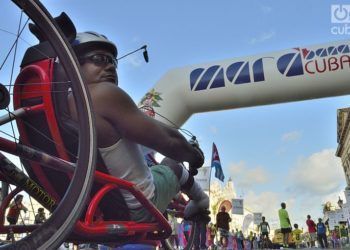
285	76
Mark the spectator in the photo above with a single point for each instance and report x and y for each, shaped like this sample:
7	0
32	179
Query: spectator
200	236
343	232
321	233
212	235
311	226
240	240
173	237
15	209
335	238
186	229
255	241
224	243
223	220
286	227
251	238
40	216
297	235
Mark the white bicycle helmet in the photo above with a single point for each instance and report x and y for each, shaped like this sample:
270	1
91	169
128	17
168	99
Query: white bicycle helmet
88	40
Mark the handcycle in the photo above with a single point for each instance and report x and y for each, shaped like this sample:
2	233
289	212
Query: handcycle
58	155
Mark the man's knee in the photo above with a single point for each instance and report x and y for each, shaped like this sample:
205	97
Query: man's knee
175	166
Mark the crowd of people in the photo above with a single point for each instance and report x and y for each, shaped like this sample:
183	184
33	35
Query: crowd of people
219	235
318	234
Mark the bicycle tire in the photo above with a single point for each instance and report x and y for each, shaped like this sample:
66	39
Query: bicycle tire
168	246
53	232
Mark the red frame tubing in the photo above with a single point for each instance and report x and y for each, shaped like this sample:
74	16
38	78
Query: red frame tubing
39	72
89	227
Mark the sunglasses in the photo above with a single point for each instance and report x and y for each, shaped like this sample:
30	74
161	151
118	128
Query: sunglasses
99	60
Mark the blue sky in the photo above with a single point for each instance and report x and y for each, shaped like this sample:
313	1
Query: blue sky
274	153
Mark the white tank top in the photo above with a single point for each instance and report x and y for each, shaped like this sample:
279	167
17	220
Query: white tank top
125	160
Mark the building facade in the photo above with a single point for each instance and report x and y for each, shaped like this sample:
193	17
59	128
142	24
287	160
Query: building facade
222	195
343	139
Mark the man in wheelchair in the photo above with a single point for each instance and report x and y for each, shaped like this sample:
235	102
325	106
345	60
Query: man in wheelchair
121	129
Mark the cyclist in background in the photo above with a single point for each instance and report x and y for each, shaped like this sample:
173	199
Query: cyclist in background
14	212
121	129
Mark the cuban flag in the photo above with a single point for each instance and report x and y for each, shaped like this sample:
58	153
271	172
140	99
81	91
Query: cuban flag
215	162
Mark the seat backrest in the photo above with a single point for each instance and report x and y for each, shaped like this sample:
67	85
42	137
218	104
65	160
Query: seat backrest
51	129
35	130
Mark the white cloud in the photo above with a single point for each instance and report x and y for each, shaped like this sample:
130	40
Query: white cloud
135	60
263	37
291	136
268	203
319	174
266	9
248	176
313	181
265	202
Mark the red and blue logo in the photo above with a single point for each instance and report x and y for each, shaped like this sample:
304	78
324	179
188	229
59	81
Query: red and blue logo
312	62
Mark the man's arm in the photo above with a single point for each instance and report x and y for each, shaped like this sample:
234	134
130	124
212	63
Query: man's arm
289	221
113	104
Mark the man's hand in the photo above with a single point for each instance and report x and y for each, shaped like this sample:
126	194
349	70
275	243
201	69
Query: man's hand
198	160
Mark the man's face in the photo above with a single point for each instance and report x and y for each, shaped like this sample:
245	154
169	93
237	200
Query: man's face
98	66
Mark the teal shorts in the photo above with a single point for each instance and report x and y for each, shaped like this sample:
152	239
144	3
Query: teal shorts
166	187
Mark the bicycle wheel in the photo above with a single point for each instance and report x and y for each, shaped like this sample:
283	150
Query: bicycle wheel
187	241
54	231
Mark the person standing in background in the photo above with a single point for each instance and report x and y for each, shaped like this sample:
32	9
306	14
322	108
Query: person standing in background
321	234
311	226
223	220
297	235
285	224
40	216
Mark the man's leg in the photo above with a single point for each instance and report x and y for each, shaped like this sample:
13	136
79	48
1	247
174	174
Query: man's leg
325	240
199	200
313	239
203	235
11	221
320	240
285	239
186	233
197	237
